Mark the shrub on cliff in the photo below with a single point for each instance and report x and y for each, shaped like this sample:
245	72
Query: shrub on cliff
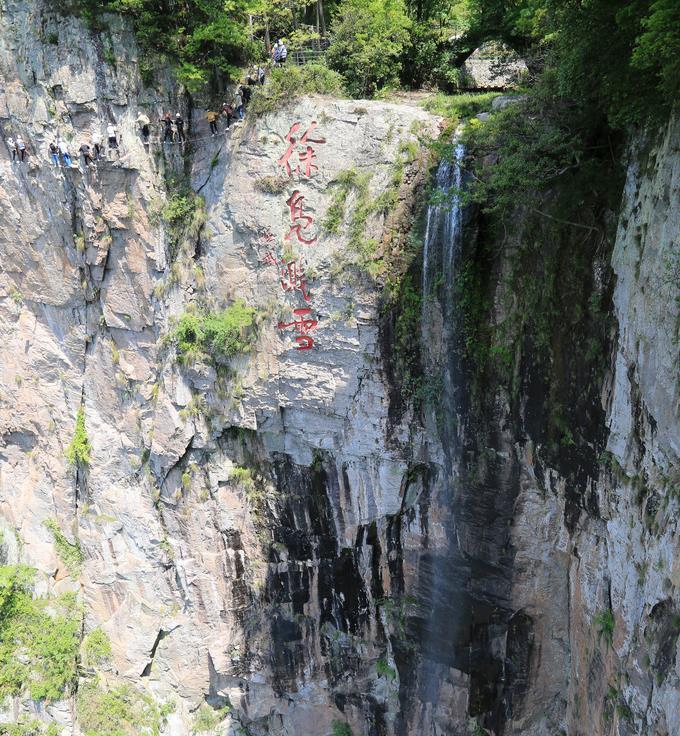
215	335
287	85
39	639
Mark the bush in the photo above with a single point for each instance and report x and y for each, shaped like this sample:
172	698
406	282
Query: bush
208	719
340	728
70	554
217	335
38	639
97	648
368	41
207	39
288	85
184	214
78	451
118	711
604	621
459	106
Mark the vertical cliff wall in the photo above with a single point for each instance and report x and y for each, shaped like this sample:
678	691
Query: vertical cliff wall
244	420
232	531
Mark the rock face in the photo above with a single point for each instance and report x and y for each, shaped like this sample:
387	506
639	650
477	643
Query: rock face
493	66
280	529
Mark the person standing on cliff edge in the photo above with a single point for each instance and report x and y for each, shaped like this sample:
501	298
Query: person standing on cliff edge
179	127
21	148
11	144
212	119
113	138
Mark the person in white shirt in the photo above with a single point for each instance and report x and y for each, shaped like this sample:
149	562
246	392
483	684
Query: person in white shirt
13	148
65	155
21	148
111	134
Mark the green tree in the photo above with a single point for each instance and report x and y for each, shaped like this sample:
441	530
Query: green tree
368	40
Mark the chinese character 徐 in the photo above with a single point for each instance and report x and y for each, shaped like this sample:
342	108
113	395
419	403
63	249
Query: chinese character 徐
293	279
306	156
301	324
295	204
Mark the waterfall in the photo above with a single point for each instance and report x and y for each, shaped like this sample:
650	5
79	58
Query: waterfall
442	572
443	239
443	229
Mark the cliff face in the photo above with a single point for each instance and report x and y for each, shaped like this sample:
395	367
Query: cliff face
575	458
232	514
278	528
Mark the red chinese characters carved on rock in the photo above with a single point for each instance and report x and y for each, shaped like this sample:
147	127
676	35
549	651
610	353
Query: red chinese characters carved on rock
293	278
299	221
302	324
306	156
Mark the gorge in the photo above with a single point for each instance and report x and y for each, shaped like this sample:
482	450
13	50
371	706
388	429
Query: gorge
295	439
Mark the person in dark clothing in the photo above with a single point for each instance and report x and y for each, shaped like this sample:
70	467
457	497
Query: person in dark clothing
246	92
228	112
179	126
87	156
97	144
167	134
54	154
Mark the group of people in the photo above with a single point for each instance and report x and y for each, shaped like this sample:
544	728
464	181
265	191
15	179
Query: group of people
17	149
172	127
59	152
91	152
279	53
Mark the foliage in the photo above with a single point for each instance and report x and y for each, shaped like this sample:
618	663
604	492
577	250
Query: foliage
69	553
38	639
533	144
206	39
26	726
384	670
615	57
96	648
368	40
78	451
217	335
340	728
208	719
183	213
604	621
287	85
118	711
459	106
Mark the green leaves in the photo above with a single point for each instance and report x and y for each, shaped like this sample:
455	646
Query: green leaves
78	451
369	39
216	335
38	639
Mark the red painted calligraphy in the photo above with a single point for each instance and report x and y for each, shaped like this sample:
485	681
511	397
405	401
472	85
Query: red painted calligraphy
306	156
269	259
301	324
299	221
293	279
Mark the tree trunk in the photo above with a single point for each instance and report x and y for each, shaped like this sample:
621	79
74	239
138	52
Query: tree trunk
322	19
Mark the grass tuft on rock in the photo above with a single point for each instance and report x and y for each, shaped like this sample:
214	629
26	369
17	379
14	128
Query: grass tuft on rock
78	451
69	553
